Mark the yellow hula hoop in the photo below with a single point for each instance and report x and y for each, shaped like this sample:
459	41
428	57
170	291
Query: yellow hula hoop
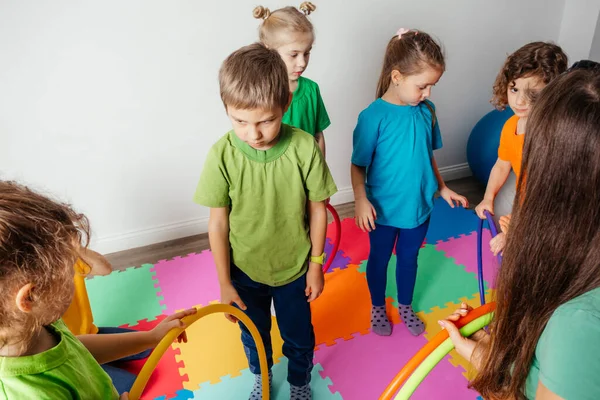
165	343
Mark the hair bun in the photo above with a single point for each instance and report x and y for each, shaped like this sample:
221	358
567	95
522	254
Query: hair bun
261	12
307	7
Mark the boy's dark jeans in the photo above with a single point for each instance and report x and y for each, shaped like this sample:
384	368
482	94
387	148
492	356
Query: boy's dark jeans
293	318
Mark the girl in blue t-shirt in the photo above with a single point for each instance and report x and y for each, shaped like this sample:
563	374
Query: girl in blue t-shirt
394	173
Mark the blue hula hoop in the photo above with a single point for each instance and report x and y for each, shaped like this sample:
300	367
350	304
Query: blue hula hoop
494	231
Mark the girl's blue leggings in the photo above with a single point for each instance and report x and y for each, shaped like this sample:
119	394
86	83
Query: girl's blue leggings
408	242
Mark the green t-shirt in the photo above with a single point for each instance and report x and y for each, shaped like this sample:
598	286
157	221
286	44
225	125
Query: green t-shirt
66	371
307	110
267	193
567	356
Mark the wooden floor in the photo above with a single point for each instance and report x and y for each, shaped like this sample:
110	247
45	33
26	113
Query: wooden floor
468	187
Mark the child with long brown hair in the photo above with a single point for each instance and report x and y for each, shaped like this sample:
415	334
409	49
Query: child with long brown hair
394	173
40	241
524	73
543	341
289	31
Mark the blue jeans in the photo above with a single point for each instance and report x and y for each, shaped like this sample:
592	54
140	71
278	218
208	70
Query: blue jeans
122	379
408	242
293	318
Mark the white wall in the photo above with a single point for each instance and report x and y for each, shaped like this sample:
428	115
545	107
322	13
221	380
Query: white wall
113	105
595	50
577	28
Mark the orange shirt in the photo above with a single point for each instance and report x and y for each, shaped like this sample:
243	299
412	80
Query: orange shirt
78	316
511	145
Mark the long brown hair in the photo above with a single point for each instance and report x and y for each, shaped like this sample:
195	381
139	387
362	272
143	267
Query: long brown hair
536	59
553	250
39	239
409	54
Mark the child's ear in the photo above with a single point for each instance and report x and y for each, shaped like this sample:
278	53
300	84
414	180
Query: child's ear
24	298
396	77
289	102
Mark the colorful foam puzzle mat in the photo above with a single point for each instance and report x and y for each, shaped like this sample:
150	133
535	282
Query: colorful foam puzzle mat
350	361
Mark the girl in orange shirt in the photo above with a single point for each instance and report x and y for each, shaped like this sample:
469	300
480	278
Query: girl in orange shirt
524	74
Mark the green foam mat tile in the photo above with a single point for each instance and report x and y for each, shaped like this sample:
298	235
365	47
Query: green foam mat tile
439	280
124	297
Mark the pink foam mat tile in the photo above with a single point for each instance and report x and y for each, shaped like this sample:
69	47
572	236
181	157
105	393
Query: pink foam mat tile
362	368
187	281
464	252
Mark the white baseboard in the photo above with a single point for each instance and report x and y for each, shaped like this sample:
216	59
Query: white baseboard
343	195
457	171
144	237
163	233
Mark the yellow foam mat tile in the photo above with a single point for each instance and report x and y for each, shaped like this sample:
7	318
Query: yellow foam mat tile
432	327
214	349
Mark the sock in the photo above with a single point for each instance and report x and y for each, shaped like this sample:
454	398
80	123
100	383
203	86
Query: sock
300	392
380	324
257	388
413	323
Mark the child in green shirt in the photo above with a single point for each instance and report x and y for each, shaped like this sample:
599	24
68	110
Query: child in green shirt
39	357
289	31
266	184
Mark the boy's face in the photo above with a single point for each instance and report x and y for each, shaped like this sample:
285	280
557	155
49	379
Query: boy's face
258	127
519	92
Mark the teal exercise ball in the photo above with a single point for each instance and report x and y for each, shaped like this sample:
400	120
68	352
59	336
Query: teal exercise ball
482	147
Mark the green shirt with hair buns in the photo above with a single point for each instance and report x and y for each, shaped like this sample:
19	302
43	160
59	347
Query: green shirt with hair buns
66	371
267	193
307	110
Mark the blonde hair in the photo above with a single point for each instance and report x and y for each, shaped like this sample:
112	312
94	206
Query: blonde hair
286	19
39	241
409	53
254	77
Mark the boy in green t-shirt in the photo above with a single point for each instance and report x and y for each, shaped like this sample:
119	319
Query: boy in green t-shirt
266	184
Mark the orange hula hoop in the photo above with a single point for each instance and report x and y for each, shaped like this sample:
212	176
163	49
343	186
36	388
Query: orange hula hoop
426	350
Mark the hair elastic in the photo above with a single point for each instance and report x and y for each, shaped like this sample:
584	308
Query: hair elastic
401	32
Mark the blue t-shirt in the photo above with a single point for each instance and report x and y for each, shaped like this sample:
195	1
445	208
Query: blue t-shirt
395	143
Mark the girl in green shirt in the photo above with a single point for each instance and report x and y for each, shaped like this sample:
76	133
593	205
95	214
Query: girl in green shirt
543	342
289	31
